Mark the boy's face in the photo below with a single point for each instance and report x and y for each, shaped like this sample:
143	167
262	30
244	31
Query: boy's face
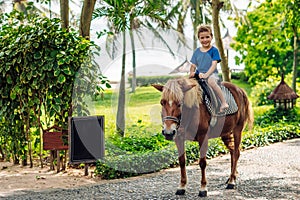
205	39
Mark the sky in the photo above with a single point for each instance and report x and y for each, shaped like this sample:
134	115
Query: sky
155	54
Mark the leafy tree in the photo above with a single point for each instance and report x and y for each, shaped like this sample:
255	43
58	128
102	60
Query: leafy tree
264	46
292	22
39	65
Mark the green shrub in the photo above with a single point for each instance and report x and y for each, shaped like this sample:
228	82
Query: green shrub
126	160
271	134
274	116
123	166
262	90
136	143
239	76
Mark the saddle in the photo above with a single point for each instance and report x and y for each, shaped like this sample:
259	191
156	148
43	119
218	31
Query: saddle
213	102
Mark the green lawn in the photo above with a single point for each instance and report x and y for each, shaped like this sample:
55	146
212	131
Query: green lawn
142	107
243	85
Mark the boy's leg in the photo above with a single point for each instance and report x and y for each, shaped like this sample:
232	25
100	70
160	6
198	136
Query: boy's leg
213	83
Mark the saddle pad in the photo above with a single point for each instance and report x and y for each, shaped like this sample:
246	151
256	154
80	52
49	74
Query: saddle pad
212	102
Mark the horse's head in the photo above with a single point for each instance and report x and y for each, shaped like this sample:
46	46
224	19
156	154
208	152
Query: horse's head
172	101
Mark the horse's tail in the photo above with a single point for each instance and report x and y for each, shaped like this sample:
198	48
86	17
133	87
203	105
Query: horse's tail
249	114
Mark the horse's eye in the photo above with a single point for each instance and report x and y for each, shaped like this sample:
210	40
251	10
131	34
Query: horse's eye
179	105
163	102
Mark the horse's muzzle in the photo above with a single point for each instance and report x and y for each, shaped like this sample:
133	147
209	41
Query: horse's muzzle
169	135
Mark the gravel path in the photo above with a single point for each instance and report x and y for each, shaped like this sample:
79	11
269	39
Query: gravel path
271	172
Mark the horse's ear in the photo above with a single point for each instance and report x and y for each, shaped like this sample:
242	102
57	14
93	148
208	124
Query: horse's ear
158	87
188	87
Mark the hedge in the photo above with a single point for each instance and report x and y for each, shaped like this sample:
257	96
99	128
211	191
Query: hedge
127	165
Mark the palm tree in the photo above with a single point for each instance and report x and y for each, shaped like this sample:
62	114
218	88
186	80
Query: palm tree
151	11
196	9
125	16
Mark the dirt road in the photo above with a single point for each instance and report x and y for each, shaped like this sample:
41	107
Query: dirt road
271	172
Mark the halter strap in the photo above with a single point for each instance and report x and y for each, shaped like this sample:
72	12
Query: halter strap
175	119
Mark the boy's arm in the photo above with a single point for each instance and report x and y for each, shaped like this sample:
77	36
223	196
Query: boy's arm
211	69
192	70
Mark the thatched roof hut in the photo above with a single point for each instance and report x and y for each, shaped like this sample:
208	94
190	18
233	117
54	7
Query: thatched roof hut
283	96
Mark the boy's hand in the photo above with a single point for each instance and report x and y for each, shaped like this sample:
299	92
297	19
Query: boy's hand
192	75
201	75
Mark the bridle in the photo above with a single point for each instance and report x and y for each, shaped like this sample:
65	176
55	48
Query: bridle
174	119
177	120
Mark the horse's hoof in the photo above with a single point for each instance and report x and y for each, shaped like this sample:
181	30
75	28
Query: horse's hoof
203	194
180	192
230	186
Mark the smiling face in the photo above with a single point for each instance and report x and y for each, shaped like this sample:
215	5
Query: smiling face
205	39
205	36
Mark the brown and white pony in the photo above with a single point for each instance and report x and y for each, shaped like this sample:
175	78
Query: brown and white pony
186	117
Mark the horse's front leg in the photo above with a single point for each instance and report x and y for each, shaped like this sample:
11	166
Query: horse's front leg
202	162
181	157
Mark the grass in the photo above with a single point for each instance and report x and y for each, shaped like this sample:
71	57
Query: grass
142	107
144	96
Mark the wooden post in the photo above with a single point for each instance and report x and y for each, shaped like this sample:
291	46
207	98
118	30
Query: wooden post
52	152
86	169
57	161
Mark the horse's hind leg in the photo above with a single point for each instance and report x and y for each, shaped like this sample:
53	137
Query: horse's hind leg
181	157
232	142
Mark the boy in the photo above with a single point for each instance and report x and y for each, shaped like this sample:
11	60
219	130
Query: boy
204	62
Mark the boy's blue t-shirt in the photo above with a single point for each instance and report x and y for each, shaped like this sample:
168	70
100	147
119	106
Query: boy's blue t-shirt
203	60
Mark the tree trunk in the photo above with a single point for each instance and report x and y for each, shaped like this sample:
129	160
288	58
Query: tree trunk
2	154
196	21
64	13
23	147
295	62
133	61
86	18
216	7
121	99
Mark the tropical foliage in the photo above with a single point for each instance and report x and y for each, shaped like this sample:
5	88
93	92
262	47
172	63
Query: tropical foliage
124	16
265	43
40	65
